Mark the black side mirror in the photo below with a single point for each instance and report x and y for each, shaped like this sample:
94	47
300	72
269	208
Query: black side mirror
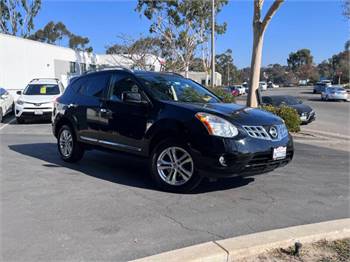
132	97
19	92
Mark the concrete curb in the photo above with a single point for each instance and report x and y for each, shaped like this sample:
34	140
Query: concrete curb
253	244
325	134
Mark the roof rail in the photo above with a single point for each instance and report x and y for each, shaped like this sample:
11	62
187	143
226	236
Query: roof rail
171	73
108	68
44	78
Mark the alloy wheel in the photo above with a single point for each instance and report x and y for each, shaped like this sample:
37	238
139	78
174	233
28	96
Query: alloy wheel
66	143
175	166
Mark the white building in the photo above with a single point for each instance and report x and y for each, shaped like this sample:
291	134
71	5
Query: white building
203	78
22	60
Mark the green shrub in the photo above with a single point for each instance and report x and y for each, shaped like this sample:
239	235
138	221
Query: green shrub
288	114
226	97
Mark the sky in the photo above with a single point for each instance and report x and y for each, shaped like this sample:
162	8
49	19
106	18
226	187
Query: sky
316	25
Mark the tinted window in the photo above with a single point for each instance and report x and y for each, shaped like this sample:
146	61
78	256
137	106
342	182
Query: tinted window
42	89
123	83
2	91
267	100
93	85
174	88
288	100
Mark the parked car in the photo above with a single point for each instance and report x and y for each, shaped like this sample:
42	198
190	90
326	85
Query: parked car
334	93
263	86
6	103
306	113
241	89
182	128
232	91
36	100
319	87
327	82
272	85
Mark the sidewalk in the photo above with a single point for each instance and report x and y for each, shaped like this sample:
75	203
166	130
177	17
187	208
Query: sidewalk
254	244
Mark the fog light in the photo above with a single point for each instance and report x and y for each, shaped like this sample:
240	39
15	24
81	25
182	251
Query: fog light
222	161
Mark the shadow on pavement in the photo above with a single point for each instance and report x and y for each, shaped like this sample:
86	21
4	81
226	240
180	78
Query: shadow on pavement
115	167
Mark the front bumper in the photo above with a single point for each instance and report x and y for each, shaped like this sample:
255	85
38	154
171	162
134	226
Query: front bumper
32	111
243	157
308	118
337	96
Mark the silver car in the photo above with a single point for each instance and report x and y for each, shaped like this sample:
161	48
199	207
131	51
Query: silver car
6	103
334	93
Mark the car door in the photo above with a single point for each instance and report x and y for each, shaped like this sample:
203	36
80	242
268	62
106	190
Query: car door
91	91
123	124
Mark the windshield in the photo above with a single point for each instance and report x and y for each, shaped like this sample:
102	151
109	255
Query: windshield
288	100
43	89
174	88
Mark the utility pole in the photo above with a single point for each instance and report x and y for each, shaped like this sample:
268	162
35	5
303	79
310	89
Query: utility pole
212	80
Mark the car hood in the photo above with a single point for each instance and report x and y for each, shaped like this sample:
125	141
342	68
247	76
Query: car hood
38	98
301	108
237	114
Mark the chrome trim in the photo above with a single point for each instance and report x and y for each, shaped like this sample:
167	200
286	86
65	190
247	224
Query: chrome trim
110	143
259	132
88	139
119	145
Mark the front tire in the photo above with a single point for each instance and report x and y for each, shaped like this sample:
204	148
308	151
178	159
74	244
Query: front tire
68	147
173	168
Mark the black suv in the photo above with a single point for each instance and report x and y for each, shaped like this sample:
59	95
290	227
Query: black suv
184	129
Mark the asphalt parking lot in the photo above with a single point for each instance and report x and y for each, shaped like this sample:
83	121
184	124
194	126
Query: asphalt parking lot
106	208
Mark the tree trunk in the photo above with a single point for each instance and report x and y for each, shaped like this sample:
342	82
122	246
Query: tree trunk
255	67
186	69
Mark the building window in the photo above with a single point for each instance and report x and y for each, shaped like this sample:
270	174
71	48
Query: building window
72	67
92	67
83	67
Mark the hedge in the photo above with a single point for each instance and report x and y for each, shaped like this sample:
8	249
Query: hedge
288	114
226	97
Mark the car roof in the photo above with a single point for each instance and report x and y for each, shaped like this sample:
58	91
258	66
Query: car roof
44	81
152	73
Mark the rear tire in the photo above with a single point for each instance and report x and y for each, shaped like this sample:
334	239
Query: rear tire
69	148
173	168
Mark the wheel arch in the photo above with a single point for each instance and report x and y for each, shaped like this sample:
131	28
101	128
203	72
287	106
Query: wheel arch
166	129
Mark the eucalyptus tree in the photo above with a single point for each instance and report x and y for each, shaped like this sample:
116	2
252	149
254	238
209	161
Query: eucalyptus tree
259	28
17	16
181	26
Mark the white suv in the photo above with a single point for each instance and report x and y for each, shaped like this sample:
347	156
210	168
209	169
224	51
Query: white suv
36	100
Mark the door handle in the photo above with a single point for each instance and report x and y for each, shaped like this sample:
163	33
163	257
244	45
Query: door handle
106	112
72	105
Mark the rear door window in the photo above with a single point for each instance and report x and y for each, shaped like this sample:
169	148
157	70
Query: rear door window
94	85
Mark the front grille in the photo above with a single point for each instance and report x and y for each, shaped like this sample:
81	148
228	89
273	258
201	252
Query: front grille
261	132
37	108
257	132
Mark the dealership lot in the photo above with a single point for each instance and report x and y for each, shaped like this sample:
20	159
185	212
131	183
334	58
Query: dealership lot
106	208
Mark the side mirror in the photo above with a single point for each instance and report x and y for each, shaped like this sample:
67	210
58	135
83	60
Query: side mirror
19	92
132	97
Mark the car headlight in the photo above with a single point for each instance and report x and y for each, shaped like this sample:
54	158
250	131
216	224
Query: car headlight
20	102
303	114
217	126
